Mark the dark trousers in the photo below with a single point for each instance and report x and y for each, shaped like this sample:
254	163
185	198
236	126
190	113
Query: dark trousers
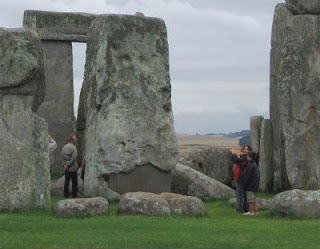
74	177
242	203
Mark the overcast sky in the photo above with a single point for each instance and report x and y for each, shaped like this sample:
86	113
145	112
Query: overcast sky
219	54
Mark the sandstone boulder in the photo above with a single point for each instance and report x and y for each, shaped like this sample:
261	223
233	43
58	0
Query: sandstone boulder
213	162
296	202
82	207
187	181
163	204
143	203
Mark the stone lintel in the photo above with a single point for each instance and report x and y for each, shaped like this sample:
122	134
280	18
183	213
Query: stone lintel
63	26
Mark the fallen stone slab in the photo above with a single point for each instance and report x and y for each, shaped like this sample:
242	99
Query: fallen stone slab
187	181
164	204
82	207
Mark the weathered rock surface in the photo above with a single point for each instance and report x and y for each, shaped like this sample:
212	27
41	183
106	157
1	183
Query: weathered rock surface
296	202
24	156
280	178
57	107
163	204
187	181
128	113
255	132
298	93
210	161
262	204
265	156
82	207
59	26
143	203
304	7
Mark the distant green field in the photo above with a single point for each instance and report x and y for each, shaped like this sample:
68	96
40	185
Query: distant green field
221	228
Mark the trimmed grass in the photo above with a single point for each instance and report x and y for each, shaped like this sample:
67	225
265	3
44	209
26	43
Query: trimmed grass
221	228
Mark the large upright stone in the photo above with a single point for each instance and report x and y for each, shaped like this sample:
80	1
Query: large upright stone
24	156
299	90
255	132
280	179
266	154
129	121
57	107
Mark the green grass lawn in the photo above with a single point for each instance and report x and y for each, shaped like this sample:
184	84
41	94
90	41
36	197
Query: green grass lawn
221	228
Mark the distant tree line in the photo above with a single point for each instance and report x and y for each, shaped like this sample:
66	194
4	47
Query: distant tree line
245	140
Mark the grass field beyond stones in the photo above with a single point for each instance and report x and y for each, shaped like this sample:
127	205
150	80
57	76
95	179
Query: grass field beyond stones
221	228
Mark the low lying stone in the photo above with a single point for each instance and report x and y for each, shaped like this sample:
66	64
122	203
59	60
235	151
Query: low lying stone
163	204
185	205
296	202
82	207
143	203
187	181
262	204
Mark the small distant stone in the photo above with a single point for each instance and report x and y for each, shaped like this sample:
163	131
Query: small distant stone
139	14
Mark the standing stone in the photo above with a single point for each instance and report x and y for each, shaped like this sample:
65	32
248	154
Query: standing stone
280	179
57	107
255	132
299	89
265	159
24	156
129	121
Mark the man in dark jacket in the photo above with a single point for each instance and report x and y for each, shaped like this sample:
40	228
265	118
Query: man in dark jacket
251	183
69	161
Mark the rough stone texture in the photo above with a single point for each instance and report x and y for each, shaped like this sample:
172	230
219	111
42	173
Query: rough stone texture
298	90
82	207
155	180
185	205
57	107
262	204
164	204
129	121
301	7
266	154
210	161
280	179
57	187
81	128
21	66
61	26
143	203
187	181
24	156
296	202
255	132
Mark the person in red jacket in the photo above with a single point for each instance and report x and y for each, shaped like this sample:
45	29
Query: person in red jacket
239	172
